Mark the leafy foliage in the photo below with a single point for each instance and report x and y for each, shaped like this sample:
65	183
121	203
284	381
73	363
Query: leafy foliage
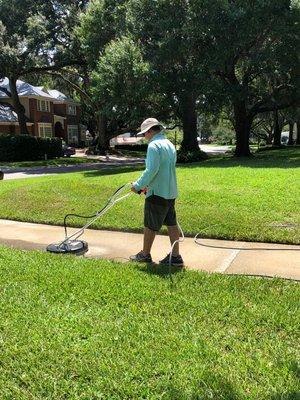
28	148
222	135
205	55
121	83
37	35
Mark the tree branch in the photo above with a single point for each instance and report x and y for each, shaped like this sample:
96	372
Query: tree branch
47	68
263	105
72	84
276	107
6	91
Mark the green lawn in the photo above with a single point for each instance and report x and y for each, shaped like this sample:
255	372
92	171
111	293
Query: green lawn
55	162
74	328
256	199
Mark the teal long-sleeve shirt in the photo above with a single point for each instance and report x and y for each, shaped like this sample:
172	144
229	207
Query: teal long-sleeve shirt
159	176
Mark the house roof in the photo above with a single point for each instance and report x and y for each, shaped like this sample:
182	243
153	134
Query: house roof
27	90
7	113
24	90
60	97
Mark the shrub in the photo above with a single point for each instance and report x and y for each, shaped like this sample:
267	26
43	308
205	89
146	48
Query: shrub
28	148
50	146
171	136
185	156
223	136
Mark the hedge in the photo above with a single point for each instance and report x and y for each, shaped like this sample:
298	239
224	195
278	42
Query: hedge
28	148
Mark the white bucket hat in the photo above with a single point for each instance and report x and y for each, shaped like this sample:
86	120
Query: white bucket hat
148	124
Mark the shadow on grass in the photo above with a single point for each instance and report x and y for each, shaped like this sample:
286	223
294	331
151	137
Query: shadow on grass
160	270
214	386
285	158
113	171
209	386
286	396
292	395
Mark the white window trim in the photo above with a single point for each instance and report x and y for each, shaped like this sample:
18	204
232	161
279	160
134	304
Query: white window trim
71	109
72	136
42	127
46	103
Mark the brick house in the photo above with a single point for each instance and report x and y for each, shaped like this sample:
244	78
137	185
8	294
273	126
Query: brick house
66	117
49	113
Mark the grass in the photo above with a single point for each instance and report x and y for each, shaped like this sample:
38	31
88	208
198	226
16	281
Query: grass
57	162
254	199
74	328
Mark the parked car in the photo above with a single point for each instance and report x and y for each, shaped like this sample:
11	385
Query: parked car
67	151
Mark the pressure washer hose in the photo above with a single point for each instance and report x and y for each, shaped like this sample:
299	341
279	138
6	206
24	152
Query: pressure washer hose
117	197
180	240
110	203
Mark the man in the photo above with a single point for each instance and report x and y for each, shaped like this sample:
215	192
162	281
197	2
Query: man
158	182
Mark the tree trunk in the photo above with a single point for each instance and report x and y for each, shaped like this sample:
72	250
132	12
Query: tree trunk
277	130
269	137
189	123
298	132
103	143
291	131
242	123
20	110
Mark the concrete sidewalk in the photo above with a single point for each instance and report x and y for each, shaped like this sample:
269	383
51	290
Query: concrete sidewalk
209	255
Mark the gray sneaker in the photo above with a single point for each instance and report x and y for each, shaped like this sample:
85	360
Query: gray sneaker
140	257
176	261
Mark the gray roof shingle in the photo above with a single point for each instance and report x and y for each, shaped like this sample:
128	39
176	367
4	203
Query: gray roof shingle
7	113
24	90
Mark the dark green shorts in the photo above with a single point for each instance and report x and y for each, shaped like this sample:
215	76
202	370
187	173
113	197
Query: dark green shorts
158	212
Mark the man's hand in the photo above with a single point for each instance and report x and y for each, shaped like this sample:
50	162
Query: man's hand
133	189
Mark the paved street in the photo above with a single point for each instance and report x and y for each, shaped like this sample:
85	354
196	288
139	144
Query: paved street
36	172
214	150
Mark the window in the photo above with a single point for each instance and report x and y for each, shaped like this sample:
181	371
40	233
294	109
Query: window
45	130
72	133
71	110
44	105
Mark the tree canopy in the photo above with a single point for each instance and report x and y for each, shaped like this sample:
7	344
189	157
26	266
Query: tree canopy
202	56
37	37
174	59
